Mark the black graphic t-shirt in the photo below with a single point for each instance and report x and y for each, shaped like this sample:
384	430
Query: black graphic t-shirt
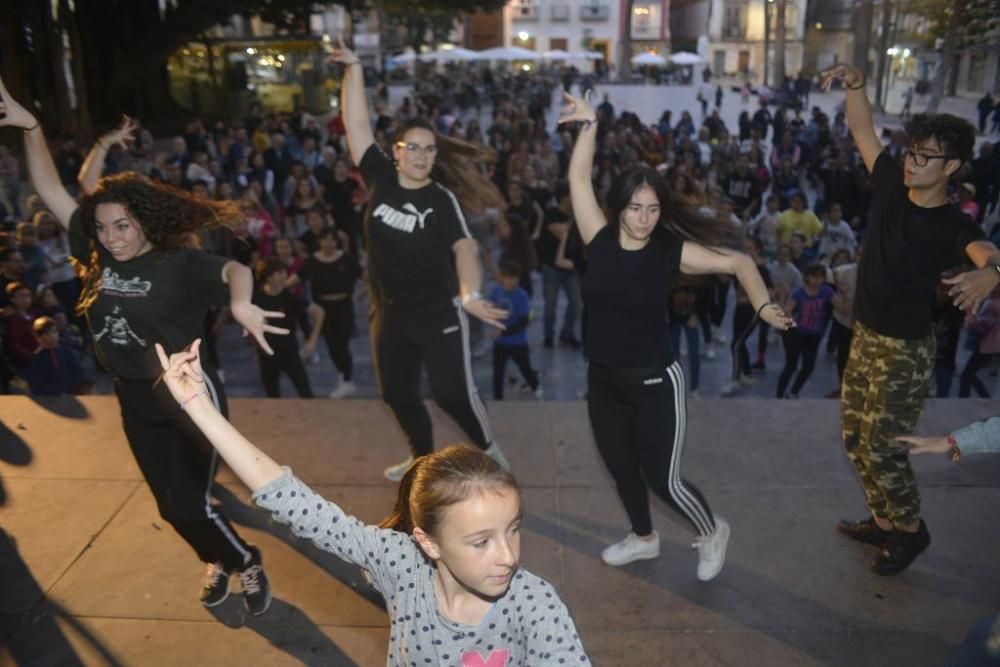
158	297
410	235
906	249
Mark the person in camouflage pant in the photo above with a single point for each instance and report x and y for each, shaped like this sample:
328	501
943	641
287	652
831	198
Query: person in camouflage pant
882	395
914	234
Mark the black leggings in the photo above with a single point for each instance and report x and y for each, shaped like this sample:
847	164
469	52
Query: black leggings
179	465
638	416
404	340
289	362
798	344
337	326
743	316
519	353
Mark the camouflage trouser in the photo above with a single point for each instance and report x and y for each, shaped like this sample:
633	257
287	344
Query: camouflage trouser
881	397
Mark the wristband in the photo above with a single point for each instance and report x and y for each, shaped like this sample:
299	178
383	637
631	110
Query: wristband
471	296
956	453
759	310
191	398
99	143
33	127
859	86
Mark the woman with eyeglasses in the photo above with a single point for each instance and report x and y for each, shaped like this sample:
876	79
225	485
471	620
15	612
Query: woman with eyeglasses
913	235
423	267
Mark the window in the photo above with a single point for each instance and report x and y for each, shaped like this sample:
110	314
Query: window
734	23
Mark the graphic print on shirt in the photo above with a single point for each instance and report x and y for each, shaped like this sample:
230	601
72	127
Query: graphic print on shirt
113	285
405	222
117	330
496	658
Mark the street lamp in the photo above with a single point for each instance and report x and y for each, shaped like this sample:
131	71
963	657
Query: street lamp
767	35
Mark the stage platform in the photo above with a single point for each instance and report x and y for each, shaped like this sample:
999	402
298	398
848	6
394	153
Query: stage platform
89	574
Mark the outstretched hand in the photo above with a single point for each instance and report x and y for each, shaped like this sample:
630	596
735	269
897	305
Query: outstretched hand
775	315
254	321
920	445
487	312
183	375
12	114
851	76
971	288
576	109
342	54
123	135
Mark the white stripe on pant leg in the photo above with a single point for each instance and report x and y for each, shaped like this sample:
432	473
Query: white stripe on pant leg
213	465
470	386
699	515
678	491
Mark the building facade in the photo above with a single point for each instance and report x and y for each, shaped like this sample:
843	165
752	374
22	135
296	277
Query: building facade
566	25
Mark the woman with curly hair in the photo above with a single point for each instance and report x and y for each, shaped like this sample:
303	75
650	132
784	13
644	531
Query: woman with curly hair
423	267
143	284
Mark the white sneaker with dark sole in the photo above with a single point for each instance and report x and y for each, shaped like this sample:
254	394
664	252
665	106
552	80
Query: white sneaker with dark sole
632	548
712	550
394	473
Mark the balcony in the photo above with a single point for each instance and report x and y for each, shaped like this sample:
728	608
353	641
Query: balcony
525	12
560	12
594	12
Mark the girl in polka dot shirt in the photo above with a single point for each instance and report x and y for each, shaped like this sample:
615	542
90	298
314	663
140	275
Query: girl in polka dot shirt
445	560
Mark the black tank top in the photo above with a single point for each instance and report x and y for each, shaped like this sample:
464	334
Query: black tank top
627	293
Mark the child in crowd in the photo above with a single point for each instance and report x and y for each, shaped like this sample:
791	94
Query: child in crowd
50	306
765	227
837	234
272	296
512	342
19	335
55	368
446	559
984	341
810	305
743	315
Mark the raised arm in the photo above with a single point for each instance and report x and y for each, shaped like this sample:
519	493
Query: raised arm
589	218
354	103
183	376
697	259
859	111
41	168
93	165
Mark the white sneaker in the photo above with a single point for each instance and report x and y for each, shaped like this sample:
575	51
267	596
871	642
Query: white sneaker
539	393
493	451
343	390
747	380
632	548
709	352
712	551
314	359
395	473
720	337
730	388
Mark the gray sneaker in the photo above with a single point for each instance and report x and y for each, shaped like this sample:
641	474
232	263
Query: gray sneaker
215	586
256	587
394	473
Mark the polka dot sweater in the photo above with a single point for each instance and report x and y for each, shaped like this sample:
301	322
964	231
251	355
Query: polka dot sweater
528	626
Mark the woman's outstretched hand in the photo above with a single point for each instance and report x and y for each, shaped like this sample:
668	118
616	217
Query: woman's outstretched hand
123	135
12	114
576	109
183	375
342	54
254	321
774	315
487	312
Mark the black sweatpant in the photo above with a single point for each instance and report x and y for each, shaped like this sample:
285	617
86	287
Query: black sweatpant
522	359
743	316
179	465
798	344
337	326
404	340
638	416
285	361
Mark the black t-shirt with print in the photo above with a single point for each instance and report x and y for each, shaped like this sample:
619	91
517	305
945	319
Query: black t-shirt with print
410	235
627	293
158	297
906	249
293	307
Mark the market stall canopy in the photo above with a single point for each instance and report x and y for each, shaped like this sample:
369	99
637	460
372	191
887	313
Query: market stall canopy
450	55
509	53
685	58
649	59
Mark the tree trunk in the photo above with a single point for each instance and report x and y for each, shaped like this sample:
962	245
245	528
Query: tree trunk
625	68
883	45
779	44
948	55
862	19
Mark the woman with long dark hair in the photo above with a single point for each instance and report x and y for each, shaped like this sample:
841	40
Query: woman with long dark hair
635	386
144	284
423	269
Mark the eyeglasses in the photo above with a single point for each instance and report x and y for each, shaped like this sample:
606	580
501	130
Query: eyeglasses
413	148
921	159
